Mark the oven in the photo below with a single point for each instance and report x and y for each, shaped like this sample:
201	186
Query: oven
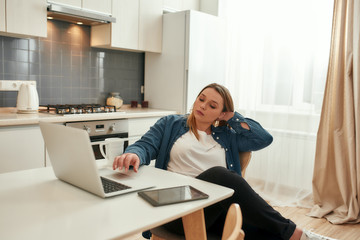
102	129
98	130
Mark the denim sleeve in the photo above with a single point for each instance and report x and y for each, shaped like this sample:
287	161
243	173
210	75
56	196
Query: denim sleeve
147	148
249	140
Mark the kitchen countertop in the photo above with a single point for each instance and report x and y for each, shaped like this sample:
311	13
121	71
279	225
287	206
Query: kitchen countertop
10	117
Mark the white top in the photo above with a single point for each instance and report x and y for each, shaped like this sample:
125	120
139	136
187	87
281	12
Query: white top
191	157
35	205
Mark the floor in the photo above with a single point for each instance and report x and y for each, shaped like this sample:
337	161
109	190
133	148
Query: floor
320	226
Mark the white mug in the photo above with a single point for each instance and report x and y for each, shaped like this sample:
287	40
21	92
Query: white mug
113	147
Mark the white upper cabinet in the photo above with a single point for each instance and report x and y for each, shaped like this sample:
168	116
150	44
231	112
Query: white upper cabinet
124	32
103	6
150	26
23	18
2	16
73	3
180	5
138	27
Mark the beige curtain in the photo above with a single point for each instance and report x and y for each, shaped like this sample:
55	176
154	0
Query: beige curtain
336	180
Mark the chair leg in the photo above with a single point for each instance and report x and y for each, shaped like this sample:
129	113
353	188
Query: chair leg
154	237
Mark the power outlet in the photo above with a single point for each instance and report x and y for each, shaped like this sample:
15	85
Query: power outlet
13	85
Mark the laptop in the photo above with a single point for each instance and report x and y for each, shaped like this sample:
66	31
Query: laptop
73	161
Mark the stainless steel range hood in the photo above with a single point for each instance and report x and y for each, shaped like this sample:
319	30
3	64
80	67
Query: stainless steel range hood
75	15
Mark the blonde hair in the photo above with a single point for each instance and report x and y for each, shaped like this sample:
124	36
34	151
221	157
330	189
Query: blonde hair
228	106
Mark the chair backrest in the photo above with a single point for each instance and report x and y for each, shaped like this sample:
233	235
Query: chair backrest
233	223
244	161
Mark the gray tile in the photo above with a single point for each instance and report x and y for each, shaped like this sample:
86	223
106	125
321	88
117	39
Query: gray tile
56	59
10	76
66	82
66	93
22	55
57	82
75	81
34	69
45	82
1	51
56	70
56	92
46	92
10	94
1	67
45	46
33	44
9	102
23	44
22	77
75	60
9	42
66	60
84	93
22	68
45	69
10	67
9	54
34	57
69	69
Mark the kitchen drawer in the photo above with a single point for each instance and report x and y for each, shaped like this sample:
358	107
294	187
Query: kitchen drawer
21	147
139	126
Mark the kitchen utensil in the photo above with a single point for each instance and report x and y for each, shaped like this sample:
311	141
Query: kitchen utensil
113	147
27	99
134	104
114	99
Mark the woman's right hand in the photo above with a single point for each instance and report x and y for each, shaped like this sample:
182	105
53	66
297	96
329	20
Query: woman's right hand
126	160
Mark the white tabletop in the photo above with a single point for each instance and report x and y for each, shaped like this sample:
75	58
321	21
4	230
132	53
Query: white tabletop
34	204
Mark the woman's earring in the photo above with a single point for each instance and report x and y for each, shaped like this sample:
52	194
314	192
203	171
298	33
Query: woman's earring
216	124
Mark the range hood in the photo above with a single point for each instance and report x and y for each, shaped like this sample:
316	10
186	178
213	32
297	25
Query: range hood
75	15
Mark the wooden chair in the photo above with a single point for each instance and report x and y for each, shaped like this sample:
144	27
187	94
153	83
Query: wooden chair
233	223
244	161
231	231
232	227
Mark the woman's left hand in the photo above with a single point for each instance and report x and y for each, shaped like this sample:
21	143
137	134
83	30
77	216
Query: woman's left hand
226	116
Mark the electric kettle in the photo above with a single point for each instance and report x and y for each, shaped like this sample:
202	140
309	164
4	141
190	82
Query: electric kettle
27	99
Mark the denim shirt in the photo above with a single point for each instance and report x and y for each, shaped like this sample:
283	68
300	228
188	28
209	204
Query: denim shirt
158	141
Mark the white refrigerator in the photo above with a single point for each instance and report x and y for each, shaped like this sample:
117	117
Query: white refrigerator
193	55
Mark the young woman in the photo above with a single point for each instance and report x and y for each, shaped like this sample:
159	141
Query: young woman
206	145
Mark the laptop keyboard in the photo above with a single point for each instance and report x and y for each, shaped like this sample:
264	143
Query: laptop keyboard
112	186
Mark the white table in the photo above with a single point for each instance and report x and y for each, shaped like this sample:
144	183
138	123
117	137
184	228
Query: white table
34	204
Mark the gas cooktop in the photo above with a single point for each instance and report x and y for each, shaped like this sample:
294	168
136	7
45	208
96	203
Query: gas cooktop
77	108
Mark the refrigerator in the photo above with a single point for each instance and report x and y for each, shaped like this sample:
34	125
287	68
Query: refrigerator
193	55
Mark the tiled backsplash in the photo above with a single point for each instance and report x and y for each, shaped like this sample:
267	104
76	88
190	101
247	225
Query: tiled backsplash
67	70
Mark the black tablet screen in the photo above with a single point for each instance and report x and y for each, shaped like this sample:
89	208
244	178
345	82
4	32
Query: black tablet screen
159	197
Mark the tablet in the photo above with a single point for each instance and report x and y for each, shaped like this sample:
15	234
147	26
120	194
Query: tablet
165	196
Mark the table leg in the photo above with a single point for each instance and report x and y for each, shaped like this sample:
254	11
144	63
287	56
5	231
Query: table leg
194	225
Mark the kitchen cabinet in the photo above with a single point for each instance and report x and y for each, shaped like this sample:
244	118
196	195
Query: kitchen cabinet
206	6
2	16
138	27
180	5
192	54
21	147
23	18
139	126
73	3
103	6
